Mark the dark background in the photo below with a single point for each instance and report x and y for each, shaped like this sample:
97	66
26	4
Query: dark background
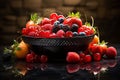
15	13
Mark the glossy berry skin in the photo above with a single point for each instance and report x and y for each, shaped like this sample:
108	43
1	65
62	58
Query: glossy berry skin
30	58
61	20
72	57
43	59
87	58
97	57
69	34
75	34
45	21
73	20
87	29
72	68
82	34
54	16
74	28
60	33
111	52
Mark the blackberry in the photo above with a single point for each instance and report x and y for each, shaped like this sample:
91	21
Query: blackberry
55	29
61	26
66	28
74	28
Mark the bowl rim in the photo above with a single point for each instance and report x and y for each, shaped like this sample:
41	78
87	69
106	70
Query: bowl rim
58	37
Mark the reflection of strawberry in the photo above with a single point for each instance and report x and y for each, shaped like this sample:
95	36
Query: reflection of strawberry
97	57
72	68
72	57
111	52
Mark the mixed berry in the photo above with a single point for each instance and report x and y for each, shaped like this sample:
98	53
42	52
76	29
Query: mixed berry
57	26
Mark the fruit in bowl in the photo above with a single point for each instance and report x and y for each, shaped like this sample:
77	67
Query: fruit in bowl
57	34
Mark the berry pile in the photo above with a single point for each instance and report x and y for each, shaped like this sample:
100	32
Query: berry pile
57	26
95	52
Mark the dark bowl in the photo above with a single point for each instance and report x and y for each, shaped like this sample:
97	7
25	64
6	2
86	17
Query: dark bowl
57	47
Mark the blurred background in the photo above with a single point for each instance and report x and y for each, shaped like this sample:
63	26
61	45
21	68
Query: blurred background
15	13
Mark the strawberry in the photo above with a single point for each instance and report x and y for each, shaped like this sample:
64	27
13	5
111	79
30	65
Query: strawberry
60	33
72	57
87	29
72	68
45	21
73	18
47	27
69	34
95	40
87	58
97	57
54	16
95	48
111	52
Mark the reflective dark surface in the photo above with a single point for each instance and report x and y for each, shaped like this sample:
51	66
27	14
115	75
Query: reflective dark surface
20	70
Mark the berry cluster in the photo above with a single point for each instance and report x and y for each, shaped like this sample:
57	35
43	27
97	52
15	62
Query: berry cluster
32	57
95	52
57	26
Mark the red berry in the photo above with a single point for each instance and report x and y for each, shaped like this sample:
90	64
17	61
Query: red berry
60	33
45	21
29	23
72	68
29	58
111	52
96	48
82	55
87	29
44	58
24	31
54	16
47	27
69	34
97	57
53	35
72	57
87	58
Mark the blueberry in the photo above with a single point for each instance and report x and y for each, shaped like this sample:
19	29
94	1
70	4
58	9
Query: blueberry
66	28
61	20
74	28
75	34
56	23
61	26
55	29
82	34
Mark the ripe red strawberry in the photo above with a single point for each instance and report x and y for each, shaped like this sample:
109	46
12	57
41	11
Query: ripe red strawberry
72	57
44	58
87	29
97	57
72	68
111	52
73	18
87	58
45	21
69	34
96	48
60	33
54	16
47	27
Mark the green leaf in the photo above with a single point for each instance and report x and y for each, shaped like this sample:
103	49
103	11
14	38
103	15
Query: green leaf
77	14
35	17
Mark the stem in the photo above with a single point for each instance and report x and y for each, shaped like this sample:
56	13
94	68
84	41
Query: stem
92	21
